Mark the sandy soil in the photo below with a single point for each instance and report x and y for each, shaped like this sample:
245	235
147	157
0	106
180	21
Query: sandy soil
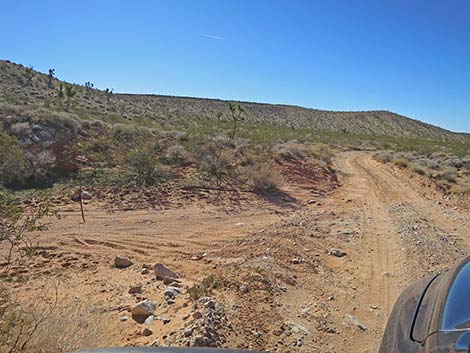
280	288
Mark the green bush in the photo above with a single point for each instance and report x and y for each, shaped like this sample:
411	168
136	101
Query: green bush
12	161
384	157
449	174
205	288
400	162
418	169
217	161
178	155
142	164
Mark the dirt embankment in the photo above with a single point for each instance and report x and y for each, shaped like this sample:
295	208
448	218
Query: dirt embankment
311	270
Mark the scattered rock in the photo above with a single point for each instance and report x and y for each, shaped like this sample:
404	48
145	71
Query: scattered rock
161	271
244	289
135	289
197	315
124	318
86	195
171	292
145	271
295	261
122	262
188	332
149	320
170	281
336	252
142	311
155	343
147	332
352	320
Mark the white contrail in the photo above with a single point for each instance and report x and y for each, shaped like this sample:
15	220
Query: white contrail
211	36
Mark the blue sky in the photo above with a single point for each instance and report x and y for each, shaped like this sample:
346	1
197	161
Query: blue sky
408	56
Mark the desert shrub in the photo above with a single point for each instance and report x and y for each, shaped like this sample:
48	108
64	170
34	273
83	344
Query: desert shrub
217	161
12	161
264	178
454	162
21	129
438	155
431	163
57	120
178	155
131	134
204	288
460	190
18	223
42	327
418	169
177	135
384	157
449	174
142	165
40	168
466	162
400	162
321	153
287	151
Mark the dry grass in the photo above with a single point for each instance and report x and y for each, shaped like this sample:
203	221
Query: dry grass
400	162
264	178
46	326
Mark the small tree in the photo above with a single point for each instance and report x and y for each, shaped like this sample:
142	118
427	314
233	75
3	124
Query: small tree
17	223
60	91
29	74
217	162
109	93
12	161
237	114
142	163
70	92
50	77
88	86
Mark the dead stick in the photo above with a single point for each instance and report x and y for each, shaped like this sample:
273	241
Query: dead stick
81	190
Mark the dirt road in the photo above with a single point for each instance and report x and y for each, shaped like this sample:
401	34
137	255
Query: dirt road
404	235
297	295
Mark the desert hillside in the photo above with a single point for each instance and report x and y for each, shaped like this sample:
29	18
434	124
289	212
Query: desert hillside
140	220
20	85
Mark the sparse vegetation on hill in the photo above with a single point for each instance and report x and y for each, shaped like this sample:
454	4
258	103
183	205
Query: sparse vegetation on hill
154	110
142	140
450	173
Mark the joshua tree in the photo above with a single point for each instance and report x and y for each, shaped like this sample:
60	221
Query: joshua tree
88	86
29	74
60	91
109	93
70	92
50	77
237	115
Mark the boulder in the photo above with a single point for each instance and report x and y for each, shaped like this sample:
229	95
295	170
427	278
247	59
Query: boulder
336	252
161	271
142	311
171	292
122	262
86	195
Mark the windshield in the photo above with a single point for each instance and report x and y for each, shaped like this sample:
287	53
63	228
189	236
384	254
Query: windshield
457	308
